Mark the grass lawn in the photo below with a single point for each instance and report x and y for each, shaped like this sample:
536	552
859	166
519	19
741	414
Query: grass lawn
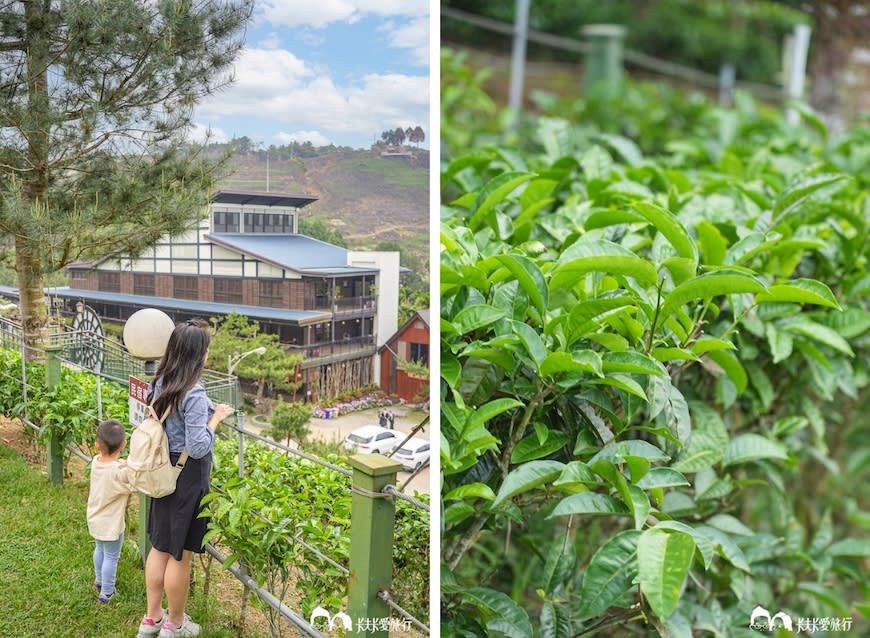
46	568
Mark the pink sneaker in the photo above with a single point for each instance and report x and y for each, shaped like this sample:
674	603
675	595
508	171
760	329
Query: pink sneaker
150	627
186	629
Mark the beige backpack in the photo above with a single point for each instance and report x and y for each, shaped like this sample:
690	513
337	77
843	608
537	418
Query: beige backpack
148	463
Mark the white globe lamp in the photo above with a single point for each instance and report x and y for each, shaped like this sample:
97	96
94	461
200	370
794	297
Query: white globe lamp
146	334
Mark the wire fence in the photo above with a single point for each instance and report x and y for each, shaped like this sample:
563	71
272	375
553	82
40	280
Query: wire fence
74	354
642	61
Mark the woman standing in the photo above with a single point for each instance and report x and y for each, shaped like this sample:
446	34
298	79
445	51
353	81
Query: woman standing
174	529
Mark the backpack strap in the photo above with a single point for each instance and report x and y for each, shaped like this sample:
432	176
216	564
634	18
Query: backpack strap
184	454
154	414
182	459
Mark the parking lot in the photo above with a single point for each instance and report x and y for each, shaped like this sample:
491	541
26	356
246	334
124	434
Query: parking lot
336	429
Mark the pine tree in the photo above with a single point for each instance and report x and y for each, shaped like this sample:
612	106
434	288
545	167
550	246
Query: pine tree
97	95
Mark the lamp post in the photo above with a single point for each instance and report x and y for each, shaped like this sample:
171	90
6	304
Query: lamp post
146	334
233	360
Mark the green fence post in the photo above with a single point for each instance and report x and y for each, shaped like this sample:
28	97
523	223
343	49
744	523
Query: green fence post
602	65
371	544
55	450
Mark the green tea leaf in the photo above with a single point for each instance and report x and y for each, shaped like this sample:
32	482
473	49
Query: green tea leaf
796	195
508	618
669	226
821	334
490	410
492	193
477	316
850	547
589	503
664	559
732	367
610	574
751	447
526	477
706	444
631	362
530	278
803	291
470	490
715	284
529	448
662	477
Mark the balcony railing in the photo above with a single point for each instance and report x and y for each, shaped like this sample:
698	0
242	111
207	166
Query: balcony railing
343	306
321	353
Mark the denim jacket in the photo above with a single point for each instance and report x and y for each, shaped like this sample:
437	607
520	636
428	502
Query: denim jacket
190	428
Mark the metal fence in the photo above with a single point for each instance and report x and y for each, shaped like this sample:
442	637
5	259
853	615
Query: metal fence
373	487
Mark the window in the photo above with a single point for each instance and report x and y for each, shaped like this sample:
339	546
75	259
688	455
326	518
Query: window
185	287
420	353
79	274
270	293
273	223
143	285
109	281
226	222
227	290
288	224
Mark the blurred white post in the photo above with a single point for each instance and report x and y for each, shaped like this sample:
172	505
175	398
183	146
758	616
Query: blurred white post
518	60
796	69
727	77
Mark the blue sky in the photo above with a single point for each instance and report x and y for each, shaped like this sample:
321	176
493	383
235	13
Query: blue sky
326	71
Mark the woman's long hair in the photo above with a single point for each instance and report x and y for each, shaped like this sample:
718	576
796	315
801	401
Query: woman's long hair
181	365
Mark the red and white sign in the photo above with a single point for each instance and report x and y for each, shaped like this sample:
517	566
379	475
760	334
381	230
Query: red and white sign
138	392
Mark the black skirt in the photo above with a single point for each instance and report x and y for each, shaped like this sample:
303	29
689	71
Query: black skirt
174	524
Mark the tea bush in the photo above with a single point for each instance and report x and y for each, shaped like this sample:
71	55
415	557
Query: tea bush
653	374
69	410
281	497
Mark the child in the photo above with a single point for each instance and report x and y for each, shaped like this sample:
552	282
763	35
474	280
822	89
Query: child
107	505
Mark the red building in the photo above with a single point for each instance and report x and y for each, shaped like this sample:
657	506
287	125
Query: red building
410	343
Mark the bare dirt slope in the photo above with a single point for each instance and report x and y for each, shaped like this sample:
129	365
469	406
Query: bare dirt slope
366	197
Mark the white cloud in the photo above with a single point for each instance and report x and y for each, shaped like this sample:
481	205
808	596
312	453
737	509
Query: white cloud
203	133
315	137
293	13
276	85
413	35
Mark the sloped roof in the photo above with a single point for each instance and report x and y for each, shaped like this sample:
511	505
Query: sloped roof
256	198
302	317
294	252
419	314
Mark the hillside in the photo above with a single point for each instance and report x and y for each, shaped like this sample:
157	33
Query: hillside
367	198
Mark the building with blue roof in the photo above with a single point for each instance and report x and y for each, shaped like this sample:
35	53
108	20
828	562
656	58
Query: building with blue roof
333	305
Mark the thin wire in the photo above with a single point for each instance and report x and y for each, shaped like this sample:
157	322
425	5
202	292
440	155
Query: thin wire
414	475
385	596
310	548
310	457
266	596
642	60
391	490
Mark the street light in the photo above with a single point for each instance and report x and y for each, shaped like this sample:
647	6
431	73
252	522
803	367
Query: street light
233	360
146	334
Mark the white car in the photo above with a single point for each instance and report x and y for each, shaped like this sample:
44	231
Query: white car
413	454
372	439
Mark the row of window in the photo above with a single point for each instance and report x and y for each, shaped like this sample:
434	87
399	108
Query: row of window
254	223
226	290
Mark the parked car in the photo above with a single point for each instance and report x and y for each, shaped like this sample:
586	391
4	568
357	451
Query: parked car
412	454
372	439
